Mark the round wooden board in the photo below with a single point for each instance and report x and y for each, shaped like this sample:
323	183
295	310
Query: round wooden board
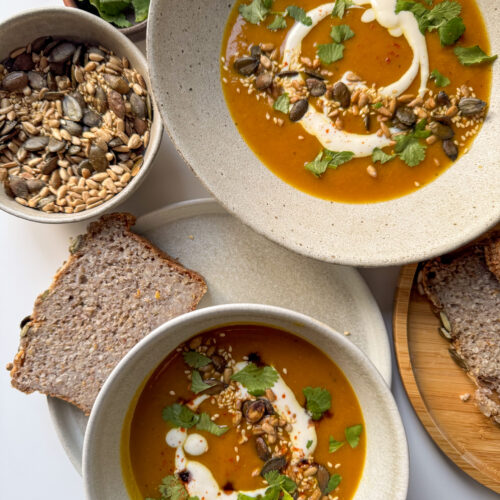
434	384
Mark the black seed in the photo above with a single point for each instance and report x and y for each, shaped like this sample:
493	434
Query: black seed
322	476
316	87
298	110
255	51
470	106
442	99
246	65
442	131
406	116
264	81
451	150
287	74
62	52
275	463
262	449
342	94
312	74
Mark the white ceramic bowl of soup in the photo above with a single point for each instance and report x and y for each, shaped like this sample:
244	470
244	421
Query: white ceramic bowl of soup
385	473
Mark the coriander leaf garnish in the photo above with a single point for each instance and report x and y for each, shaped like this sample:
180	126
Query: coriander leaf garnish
318	400
442	13
256	380
196	359
333	482
352	435
256	11
206	424
330	52
381	156
274	478
180	416
197	384
473	55
242	496
173	489
309	444
439	79
420	131
282	104
341	33
340	7
451	31
299	15
410	150
334	445
328	159
279	23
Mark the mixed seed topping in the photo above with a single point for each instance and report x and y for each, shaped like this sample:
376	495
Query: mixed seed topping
246	390
75	121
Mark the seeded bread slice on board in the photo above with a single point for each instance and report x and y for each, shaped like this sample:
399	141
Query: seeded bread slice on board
462	287
115	288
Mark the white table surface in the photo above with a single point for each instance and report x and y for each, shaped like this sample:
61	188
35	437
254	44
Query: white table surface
33	464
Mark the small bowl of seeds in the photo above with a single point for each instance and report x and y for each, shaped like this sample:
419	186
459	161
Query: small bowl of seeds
78	126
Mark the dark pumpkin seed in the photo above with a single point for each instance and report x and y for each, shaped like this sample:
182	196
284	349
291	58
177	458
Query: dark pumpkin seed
85	164
246	65
115	142
450	149
79	98
40	43
263	451
253	411
264	81
53	96
72	108
73	150
51	82
406	116
34	185
61	52
91	118
8	127
442	131
58	69
16	80
138	106
298	110
273	464
48	165
54	146
469	106
8	191
101	101
323	477
288	74
72	127
116	104
312	74
367	121
25	321
36	143
255	51
36	80
77	55
442	99
18	186
117	83
218	362
98	158
342	94
316	87
23	62
140	126
445	120
216	387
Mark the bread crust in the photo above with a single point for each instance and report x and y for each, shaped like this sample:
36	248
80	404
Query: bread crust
30	383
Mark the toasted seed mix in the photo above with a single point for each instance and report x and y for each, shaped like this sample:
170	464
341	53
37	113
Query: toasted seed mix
70	115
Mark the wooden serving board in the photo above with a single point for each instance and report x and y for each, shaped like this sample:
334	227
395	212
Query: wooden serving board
434	383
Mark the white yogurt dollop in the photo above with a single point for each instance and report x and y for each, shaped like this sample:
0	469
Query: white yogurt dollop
383	11
196	444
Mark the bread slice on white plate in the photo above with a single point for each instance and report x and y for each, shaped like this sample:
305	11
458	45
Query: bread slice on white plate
115	288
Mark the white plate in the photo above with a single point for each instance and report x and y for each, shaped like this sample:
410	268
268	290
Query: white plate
241	266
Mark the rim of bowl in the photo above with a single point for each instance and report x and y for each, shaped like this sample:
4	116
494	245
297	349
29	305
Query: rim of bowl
155	138
131	30
223	311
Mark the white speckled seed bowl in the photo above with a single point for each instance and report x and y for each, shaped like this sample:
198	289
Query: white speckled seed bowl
385	475
78	25
458	206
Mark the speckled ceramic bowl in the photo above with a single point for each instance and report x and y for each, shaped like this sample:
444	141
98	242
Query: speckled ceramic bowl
458	206
385	475
76	24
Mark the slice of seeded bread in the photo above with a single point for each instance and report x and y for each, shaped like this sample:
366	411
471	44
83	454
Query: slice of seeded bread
462	286
115	288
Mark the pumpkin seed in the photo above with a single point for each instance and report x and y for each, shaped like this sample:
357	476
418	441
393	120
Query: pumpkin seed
263	451
73	128
54	146
117	83
442	99
471	106
445	321
48	165
444	333
23	62
98	159
298	110
442	131
342	94
255	51
316	87
264	81
323	477
287	74
18	186
116	104
138	106
72	108
16	80
450	149
312	74
216	387
91	118
458	360
36	143
273	464
34	185
37	80
253	411
61	52
406	116
246	65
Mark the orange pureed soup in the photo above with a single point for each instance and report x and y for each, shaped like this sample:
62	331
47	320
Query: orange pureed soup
344	69
245	409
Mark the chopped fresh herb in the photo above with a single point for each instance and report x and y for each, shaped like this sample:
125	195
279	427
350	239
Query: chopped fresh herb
180	416
381	156
279	23
242	496
341	33
334	445
333	482
439	79
171	488
377	105
282	104
340	7
328	159
408	146
206	424
352	435
256	11
299	15
472	55
274	478
309	444
197	384
420	131
256	380
318	401
195	359
442	13
451	31
330	52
